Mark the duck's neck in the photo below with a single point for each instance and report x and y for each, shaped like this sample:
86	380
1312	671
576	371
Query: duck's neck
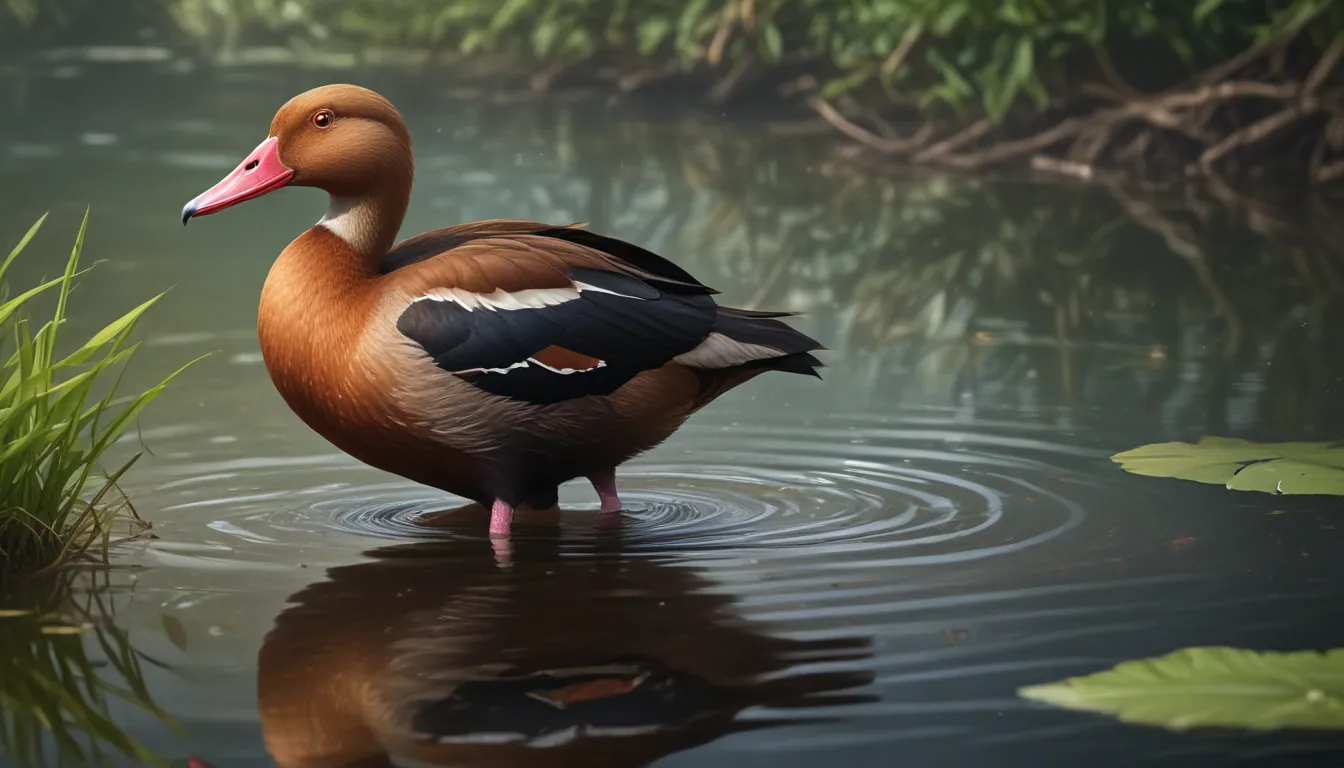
368	221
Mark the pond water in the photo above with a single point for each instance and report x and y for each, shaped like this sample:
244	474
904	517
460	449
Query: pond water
856	571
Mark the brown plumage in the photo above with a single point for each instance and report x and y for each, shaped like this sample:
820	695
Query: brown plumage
493	360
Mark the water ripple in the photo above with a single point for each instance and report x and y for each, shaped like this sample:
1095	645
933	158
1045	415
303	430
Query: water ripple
843	497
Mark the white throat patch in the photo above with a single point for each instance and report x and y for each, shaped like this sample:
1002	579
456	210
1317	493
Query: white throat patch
351	220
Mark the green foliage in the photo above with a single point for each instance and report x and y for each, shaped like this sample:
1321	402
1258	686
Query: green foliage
1288	468
60	664
967	56
1212	687
56	425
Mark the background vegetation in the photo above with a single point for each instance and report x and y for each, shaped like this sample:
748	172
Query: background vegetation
1070	86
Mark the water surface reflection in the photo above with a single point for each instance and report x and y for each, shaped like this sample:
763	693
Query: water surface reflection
446	654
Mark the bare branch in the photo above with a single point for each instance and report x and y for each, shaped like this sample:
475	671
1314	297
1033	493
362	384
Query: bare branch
724	88
1324	67
865	136
727	20
1112	75
1330	172
903	48
1011	149
1080	171
1257	131
1241	60
954	142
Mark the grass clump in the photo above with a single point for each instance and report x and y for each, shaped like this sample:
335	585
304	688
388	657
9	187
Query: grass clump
58	417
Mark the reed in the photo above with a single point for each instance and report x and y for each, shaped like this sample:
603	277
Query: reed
59	415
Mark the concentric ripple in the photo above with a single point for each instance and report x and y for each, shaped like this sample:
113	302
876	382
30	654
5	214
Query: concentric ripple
870	494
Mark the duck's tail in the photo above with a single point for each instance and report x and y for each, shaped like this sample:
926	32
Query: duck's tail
748	340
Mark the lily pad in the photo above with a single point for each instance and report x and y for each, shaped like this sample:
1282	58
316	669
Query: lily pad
1212	687
1239	465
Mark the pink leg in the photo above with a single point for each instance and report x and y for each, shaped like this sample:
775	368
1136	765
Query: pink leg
501	518
605	485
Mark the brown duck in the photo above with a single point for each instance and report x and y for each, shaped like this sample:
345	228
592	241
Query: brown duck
493	360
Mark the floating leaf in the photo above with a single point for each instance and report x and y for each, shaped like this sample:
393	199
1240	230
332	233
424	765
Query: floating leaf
175	631
1212	687
1288	468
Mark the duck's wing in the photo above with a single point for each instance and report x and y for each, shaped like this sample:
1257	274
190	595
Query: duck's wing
541	314
625	255
543	319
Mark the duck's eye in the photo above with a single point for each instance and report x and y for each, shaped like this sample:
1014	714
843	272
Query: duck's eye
323	118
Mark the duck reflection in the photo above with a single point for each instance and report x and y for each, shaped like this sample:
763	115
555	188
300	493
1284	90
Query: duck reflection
441	654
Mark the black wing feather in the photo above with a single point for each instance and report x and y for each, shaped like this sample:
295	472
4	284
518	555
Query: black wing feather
640	329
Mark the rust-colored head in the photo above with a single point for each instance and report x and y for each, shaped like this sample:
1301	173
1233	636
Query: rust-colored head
344	139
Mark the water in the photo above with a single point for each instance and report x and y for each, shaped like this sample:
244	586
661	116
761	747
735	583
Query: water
810	572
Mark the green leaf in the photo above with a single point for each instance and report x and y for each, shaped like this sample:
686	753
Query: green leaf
1212	687
772	44
544	36
689	20
510	10
1286	468
1206	7
1023	61
651	33
952	14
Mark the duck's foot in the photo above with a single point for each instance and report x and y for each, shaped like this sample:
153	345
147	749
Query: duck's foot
605	485
501	519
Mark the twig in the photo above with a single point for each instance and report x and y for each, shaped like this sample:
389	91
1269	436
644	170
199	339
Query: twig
727	20
1324	67
1136	148
903	48
883	127
636	80
865	136
723	89
1257	131
954	142
1231	89
747	12
1330	172
1010	149
1232	65
1090	144
542	80
1112	76
1063	167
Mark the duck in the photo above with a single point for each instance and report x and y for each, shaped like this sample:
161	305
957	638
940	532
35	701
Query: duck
492	360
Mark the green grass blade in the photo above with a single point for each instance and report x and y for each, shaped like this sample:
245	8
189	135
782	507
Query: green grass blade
23	243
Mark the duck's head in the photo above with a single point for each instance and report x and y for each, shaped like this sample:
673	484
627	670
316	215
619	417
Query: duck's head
344	139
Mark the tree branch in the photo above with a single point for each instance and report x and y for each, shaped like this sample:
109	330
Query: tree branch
1324	67
903	48
1257	131
954	142
865	136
